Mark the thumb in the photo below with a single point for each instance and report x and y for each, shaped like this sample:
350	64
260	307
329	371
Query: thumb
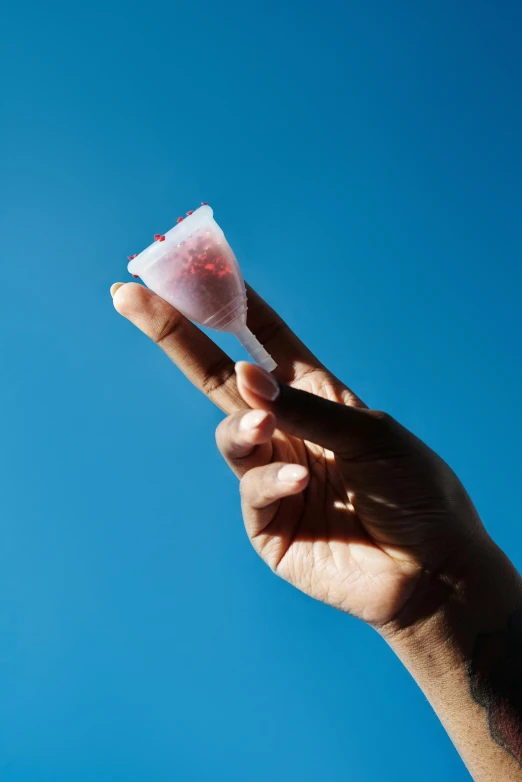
351	432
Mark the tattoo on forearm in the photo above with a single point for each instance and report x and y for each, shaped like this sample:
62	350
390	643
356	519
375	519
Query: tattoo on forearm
495	674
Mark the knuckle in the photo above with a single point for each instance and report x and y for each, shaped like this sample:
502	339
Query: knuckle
245	486
220	433
252	486
385	420
168	327
224	431
220	373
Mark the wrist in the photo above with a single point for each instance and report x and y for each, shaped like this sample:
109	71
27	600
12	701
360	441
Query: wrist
465	655
437	631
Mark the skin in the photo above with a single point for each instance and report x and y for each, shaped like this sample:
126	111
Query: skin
351	508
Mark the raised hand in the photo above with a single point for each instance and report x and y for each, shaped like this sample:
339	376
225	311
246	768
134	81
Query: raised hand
339	500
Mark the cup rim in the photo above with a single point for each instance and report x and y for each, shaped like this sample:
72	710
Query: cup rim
177	234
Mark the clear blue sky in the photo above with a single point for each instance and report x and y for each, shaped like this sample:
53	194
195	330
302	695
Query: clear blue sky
365	162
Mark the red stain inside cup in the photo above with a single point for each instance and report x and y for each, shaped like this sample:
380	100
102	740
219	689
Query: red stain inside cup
202	275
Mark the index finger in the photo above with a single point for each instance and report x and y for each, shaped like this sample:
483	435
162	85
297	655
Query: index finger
208	367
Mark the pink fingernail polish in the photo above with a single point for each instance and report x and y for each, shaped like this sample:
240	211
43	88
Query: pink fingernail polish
292	473
252	420
259	382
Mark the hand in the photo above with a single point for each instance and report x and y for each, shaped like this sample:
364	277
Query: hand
339	500
354	510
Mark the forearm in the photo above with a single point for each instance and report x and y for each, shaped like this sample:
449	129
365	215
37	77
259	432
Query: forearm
467	658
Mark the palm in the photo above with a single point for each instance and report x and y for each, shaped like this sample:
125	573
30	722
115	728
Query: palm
316	540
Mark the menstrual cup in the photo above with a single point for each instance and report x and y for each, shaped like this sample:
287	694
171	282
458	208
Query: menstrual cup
193	268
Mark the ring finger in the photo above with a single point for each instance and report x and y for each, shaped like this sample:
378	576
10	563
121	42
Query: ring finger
245	439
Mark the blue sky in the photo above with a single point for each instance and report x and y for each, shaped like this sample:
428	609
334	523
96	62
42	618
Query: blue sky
365	162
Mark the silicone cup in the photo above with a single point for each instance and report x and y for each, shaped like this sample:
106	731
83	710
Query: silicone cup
194	269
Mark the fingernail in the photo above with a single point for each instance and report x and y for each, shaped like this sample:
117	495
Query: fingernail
115	287
252	419
259	382
292	473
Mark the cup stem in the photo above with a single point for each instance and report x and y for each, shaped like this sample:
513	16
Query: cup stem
254	348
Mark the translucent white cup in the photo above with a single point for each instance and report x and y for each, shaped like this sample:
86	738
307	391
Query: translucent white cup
193	268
